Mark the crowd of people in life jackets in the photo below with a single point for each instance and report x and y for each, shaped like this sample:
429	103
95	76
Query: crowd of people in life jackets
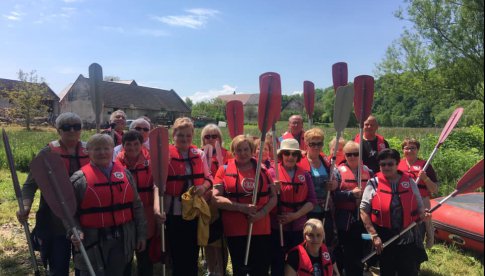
308	219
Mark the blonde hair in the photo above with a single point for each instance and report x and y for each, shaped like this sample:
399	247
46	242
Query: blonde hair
312	224
350	145
210	128
341	141
238	140
315	132
182	122
100	139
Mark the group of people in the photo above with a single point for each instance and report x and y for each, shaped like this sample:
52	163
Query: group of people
308	218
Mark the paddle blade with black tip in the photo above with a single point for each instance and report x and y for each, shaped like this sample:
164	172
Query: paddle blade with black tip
158	138
363	97
51	176
95	92
339	75
270	90
235	118
344	99
309	97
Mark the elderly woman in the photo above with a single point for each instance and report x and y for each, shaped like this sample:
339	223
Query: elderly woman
427	184
136	158
391	202
347	198
233	193
55	249
142	126
311	257
187	167
318	165
117	123
268	163
110	213
296	199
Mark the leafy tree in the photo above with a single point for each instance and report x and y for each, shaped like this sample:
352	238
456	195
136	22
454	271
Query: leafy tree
189	102
28	97
214	108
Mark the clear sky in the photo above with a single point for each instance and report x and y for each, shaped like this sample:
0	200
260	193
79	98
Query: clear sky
198	48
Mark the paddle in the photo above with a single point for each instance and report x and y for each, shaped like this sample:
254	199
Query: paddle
95	92
452	121
18	195
469	182
158	138
309	99
339	75
270	86
363	98
341	114
51	176
235	118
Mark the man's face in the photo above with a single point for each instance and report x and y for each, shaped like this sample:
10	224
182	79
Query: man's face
295	125
370	126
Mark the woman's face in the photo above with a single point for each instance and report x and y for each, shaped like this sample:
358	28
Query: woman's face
243	153
289	158
265	152
314	146
211	137
101	154
352	157
143	128
183	138
410	151
315	238
70	132
132	148
388	167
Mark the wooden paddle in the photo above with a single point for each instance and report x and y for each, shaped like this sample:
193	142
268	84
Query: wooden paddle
341	113
51	176
95	93
235	118
469	182
20	200
339	75
158	138
270	86
309	99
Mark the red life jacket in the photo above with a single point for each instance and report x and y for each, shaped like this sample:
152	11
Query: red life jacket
381	202
177	180
215	164
413	171
305	164
294	190
106	202
381	144
236	223
142	173
349	182
305	266
81	157
288	135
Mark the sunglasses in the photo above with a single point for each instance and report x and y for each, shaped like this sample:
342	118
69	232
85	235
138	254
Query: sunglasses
410	148
142	128
312	145
387	164
211	136
292	153
75	127
354	154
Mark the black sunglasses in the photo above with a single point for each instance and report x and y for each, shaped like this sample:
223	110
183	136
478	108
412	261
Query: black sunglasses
349	154
388	164
288	153
142	128
75	127
209	136
312	145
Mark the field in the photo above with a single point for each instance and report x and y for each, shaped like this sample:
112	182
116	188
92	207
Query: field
462	149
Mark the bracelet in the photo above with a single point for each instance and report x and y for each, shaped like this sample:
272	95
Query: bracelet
374	235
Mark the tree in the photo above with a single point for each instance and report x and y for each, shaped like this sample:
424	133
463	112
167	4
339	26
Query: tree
189	102
27	97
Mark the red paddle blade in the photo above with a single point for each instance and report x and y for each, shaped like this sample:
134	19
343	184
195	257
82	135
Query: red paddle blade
363	97
339	75
159	156
472	179
235	118
270	94
309	97
452	121
51	175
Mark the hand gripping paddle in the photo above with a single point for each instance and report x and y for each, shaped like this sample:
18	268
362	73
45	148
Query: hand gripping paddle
309	99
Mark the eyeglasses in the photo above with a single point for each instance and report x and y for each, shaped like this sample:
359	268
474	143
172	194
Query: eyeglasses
410	148
142	128
354	154
75	127
211	136
387	164
313	145
292	153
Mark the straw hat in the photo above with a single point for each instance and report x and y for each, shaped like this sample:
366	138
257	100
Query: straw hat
289	144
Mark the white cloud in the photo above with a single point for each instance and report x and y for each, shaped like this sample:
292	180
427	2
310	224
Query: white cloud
194	19
295	93
13	16
211	94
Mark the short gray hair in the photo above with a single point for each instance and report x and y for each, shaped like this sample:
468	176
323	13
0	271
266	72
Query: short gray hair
138	121
98	139
68	118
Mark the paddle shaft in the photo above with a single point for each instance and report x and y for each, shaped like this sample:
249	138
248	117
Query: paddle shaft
332	167
359	169
277	175
20	201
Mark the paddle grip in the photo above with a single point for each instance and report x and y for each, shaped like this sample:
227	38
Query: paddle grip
83	252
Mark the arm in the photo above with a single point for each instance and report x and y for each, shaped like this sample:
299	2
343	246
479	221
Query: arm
365	209
224	203
264	211
429	178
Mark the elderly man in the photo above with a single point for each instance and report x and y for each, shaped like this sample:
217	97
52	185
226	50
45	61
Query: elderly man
117	123
372	144
295	131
